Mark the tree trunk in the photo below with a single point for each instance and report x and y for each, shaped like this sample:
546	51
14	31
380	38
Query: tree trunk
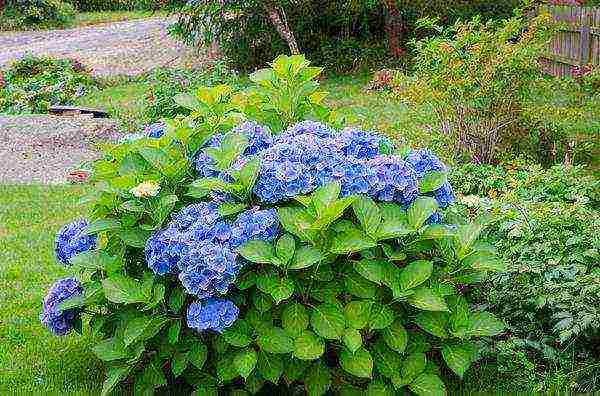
394	28
279	21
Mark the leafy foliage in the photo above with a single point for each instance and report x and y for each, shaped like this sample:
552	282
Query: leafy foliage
325	286
40	14
32	84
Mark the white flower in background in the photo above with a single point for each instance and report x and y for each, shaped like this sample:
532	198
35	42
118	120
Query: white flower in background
145	189
470	200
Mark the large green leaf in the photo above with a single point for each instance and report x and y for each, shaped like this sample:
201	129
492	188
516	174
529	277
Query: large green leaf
431	181
328	321
317	380
394	228
269	366
433	322
198	354
359	363
357	314
187	101
325	196
396	337
297	221
282	289
483	261
308	346
420	210
257	251
373	270
413	365
275	340
114	375
305	257
102	225
151	378
351	240
381	317
359	286
368	214
285	248
239	334
427	300
332	212
387	362
119	288
428	384
459	357
245	361
352	339
485	324
142	328
294	319
111	349
414	274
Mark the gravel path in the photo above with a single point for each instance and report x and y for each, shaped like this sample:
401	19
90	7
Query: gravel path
121	48
42	149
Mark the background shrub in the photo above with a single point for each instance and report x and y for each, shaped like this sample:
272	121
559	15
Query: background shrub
39	14
32	84
125	5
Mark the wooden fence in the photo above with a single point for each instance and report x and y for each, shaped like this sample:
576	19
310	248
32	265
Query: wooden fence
577	42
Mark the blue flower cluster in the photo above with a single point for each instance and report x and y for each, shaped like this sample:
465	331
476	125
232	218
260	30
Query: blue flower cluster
424	161
72	240
212	314
199	246
156	130
57	321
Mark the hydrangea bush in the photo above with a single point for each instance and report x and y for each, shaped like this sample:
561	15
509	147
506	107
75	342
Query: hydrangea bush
222	254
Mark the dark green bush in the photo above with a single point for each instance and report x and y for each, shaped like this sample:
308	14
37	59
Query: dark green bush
339	35
125	5
32	84
40	14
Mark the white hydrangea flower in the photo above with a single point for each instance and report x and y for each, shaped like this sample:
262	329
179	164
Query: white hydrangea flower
146	189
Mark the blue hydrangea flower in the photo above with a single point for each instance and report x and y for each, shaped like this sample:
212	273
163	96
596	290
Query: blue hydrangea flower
57	321
308	127
189	226
424	161
259	137
72	240
213	314
359	144
156	130
254	224
393	180
355	176
208	269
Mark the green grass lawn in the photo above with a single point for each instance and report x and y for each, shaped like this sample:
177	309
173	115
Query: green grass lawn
32	360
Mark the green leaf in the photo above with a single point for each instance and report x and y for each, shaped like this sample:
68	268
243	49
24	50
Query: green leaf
325	196
368	214
275	340
373	270
420	210
394	228
245	362
134	237
228	209
332	212
282	289
413	365
239	334
352	339
431	181
317	380
414	274
381	317
179	362
151	378
306	256
142	328
270	367
466	235
357	314
225	369
114	375
75	301
308	346
437	231
285	247
459	357
484	324
388	362
396	337
102	225
359	286
202	187
379	388
249	173
427	300
173	332
484	262
428	384
176	299
294	319
328	321
297	221
94	260
198	354
187	101
359	364
110	349
122	289
434	323
351	240
232	146
258	251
